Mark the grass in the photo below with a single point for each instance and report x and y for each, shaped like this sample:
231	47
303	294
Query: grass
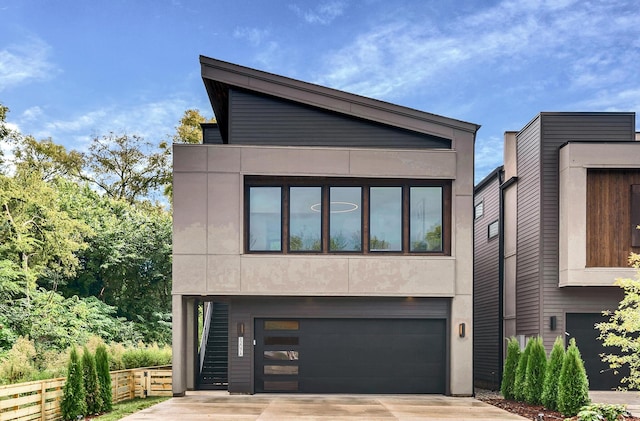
122	409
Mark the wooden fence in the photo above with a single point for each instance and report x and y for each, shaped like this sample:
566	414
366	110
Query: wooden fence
40	400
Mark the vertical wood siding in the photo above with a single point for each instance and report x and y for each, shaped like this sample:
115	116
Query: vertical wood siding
262	120
557	129
486	297
609	224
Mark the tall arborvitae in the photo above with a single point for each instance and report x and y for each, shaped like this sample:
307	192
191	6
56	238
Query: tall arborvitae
90	377
104	377
573	390
510	366
520	383
536	368
552	376
73	403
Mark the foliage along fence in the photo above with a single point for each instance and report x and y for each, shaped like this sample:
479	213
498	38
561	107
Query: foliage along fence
40	400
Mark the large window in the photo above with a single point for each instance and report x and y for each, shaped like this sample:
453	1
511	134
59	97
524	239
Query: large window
346	215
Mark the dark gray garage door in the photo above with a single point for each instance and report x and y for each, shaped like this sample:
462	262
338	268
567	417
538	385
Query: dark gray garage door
581	327
350	355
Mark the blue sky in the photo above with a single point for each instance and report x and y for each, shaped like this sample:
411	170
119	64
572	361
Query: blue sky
74	69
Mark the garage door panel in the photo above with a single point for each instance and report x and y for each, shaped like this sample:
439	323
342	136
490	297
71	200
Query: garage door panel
581	327
363	356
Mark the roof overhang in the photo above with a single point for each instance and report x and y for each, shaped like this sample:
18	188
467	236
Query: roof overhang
219	76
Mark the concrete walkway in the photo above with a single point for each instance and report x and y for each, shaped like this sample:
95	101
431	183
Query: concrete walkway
631	399
275	407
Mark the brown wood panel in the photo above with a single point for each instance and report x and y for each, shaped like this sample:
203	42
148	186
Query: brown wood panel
609	217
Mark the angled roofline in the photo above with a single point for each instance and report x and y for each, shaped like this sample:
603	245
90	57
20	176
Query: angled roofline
488	178
219	75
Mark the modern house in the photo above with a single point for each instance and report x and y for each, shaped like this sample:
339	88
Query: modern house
553	230
330	237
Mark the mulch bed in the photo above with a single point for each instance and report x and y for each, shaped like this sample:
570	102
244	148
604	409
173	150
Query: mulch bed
531	412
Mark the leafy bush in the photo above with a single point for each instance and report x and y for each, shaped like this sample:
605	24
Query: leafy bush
510	366
19	361
622	329
91	386
536	368
73	402
602	411
552	375
573	389
146	356
104	378
520	383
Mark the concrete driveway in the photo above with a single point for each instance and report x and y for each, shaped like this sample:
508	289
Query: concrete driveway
275	407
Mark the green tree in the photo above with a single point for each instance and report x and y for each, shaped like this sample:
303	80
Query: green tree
93	396
73	404
189	130
520	382
510	367
126	167
45	157
622	330
536	368
104	378
128	262
37	236
573	388
552	375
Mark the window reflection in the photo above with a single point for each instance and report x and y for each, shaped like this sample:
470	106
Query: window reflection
426	218
385	223
305	224
264	219
281	355
345	221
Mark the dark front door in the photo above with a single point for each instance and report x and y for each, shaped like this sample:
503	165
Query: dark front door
350	355
581	327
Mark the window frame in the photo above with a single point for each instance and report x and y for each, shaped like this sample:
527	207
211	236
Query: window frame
285	183
475	212
489	236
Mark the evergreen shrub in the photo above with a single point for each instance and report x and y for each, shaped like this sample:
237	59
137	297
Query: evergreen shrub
91	386
510	366
573	389
536	368
520	383
552	375
104	378
73	404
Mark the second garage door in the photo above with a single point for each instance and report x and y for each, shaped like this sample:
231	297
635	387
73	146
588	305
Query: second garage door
350	355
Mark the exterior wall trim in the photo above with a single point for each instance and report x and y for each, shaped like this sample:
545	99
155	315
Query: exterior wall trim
575	158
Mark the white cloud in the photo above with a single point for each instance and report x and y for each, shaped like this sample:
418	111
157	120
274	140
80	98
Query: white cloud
324	13
254	36
488	155
394	58
154	121
25	62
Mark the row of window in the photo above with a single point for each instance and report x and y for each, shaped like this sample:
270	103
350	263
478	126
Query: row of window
346	215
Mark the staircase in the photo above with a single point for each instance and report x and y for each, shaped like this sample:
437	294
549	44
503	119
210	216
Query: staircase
213	375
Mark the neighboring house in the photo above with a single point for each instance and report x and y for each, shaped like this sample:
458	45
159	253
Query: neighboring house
332	234
553	229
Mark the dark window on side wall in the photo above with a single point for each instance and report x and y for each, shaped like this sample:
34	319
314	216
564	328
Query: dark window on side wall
478	210
493	230
346	215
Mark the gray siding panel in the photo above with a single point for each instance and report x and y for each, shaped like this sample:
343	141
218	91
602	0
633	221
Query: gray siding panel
528	226
262	120
556	130
486	297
